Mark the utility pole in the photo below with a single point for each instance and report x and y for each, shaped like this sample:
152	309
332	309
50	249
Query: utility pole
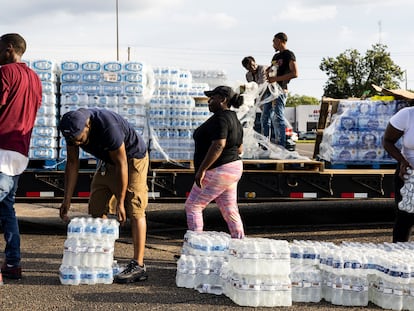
117	33
405	71
379	31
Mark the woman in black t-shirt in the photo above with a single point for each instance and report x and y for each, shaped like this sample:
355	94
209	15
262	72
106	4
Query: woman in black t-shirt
217	163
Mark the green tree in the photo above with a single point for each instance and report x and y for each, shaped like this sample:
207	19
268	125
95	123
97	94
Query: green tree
350	74
296	100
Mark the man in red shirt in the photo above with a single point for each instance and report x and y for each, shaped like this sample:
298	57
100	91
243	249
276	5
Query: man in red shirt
20	98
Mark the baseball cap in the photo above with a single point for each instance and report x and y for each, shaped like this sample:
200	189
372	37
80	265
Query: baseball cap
73	122
222	90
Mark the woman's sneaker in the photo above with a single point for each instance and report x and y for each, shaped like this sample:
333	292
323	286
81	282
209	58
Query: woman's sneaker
11	272
132	273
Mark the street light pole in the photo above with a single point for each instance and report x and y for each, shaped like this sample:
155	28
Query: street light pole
117	33
405	79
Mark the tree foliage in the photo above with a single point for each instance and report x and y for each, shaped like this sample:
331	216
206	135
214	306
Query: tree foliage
351	74
296	100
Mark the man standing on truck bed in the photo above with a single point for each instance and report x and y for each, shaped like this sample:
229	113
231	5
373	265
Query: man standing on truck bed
20	98
282	70
121	176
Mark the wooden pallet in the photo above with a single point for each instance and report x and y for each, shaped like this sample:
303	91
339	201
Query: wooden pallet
84	164
261	165
42	164
171	164
283	165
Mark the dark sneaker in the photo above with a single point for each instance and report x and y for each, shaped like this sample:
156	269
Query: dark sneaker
11	272
132	273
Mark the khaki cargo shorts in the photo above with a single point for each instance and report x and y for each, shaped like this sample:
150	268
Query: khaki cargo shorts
103	186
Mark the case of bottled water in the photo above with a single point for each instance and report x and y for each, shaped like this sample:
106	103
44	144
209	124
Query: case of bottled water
69	66
42	153
206	265
203	255
91	66
48	131
407	193
357	126
91	77
88	251
133	66
259	256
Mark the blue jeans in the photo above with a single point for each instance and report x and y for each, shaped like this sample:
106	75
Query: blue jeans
277	116
8	187
265	119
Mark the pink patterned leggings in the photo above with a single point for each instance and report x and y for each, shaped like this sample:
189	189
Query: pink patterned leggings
219	184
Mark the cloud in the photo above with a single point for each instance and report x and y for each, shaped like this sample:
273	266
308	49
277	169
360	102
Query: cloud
217	20
300	13
21	10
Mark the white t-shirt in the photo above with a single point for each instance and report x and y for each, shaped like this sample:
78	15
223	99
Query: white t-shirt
403	120
12	163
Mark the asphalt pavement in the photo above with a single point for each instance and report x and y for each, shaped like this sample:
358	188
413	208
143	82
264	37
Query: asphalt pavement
43	236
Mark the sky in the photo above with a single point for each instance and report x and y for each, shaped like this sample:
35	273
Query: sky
214	34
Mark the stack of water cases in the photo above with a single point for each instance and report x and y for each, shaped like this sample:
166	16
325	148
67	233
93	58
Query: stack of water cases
44	141
353	274
258	272
88	251
251	272
212	77
305	276
202	259
115	86
171	115
356	131
407	193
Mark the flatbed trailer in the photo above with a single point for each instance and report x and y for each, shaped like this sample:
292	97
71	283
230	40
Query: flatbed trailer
262	180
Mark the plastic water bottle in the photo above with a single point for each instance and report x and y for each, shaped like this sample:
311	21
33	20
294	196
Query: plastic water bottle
116	268
69	275
96	228
76	227
112	229
89	228
104	275
296	253
188	281
347	294
70	252
182	271
360	291
408	299
88	275
316	286
202	272
108	252
296	278
337	283
327	285
91	255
